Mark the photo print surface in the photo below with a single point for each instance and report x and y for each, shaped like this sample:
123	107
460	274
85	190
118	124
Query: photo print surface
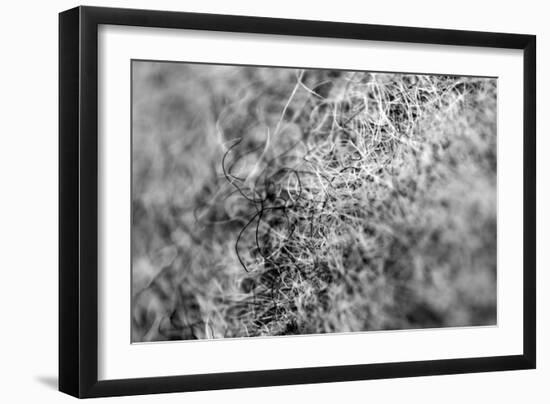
273	201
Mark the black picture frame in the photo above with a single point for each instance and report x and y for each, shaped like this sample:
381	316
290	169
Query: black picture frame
78	201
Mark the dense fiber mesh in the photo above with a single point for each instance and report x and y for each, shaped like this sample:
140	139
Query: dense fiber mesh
281	201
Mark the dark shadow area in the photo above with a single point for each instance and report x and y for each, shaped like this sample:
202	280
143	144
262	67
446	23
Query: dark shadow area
48	381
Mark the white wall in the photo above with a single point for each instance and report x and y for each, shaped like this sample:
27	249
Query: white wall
28	201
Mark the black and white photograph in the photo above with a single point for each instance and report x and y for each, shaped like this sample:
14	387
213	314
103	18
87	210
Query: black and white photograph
290	199
276	202
270	201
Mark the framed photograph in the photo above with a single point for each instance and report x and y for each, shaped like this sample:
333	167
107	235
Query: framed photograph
251	201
